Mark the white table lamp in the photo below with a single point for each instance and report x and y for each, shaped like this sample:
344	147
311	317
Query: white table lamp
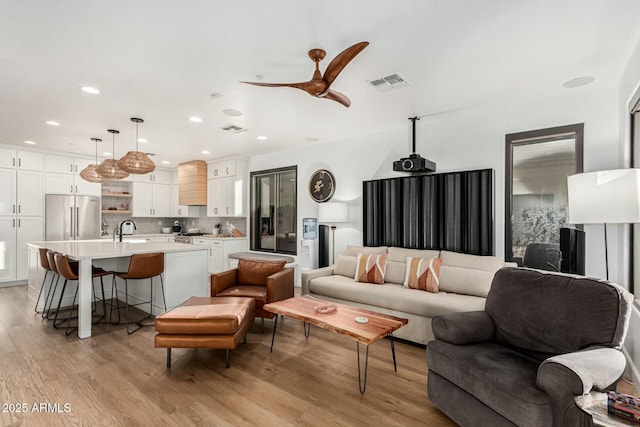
332	213
604	197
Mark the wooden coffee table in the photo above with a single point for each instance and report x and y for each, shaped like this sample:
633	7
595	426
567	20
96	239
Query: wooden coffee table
343	322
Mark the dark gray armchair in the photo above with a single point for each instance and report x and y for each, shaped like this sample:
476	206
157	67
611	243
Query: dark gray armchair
543	339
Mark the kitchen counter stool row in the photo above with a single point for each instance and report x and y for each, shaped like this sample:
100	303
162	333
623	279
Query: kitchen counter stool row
58	266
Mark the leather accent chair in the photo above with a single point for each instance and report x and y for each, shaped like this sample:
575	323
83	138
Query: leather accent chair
264	281
542	339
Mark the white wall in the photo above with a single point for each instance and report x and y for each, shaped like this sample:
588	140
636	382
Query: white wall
471	139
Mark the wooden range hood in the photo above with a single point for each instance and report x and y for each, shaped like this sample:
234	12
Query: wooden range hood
192	183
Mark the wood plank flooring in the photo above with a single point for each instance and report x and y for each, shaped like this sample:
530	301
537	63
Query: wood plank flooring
115	379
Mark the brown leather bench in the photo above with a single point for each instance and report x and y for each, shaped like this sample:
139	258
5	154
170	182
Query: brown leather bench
205	322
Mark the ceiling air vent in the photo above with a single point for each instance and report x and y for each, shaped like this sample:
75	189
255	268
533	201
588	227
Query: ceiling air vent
389	82
233	128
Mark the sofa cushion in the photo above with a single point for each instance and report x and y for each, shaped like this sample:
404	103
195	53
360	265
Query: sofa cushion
346	265
394	297
501	378
255	272
468	274
371	268
557	313
395	272
423	274
355	250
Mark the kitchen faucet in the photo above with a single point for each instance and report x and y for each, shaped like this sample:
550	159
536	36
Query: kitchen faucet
125	226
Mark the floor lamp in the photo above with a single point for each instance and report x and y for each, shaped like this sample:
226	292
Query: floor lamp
332	213
605	197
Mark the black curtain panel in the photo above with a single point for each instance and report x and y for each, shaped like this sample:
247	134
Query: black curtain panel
451	211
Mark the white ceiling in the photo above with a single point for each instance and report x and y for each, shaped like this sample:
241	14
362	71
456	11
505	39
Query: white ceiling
161	60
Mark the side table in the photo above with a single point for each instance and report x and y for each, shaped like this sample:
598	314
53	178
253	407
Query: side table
595	404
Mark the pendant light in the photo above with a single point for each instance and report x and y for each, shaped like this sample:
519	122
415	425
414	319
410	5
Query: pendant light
136	162
89	173
109	168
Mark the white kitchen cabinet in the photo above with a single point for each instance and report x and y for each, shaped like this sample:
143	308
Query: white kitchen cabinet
226	197
8	248
15	232
227	187
219	250
63	176
29	229
177	210
158	176
8	204
21	210
150	199
29	194
222	168
25	160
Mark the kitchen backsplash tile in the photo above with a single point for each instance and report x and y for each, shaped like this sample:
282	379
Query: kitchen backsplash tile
151	226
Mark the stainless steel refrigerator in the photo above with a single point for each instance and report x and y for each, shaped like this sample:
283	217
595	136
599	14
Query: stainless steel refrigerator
71	217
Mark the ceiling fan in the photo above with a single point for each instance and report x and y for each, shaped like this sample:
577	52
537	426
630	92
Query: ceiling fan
320	85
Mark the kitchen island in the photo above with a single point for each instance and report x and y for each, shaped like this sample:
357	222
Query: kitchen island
185	272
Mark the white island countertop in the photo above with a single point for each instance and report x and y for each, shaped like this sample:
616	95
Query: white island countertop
185	270
97	249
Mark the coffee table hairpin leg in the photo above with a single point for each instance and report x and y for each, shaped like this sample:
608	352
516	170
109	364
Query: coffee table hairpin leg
307	329
273	335
393	353
362	385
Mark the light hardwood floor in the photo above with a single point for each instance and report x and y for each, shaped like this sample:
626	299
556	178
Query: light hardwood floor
114	379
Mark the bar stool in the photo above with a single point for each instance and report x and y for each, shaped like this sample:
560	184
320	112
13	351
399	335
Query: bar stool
44	263
67	270
46	311
141	266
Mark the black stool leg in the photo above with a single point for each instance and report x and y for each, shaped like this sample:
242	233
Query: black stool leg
169	357
227	357
55	319
40	293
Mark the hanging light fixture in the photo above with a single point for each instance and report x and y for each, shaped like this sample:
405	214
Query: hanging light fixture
89	173
136	162
109	168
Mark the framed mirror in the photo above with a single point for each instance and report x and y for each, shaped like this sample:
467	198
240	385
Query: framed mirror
537	165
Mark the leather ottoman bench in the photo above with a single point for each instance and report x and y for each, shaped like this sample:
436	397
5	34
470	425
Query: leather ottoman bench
205	322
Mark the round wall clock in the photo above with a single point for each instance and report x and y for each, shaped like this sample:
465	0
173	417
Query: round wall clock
322	184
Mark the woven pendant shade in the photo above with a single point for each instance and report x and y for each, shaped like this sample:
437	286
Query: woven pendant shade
136	162
109	168
89	173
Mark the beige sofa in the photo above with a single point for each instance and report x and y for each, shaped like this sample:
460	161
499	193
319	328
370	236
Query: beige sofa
464	284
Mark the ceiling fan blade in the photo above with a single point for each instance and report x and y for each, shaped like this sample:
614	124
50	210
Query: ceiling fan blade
341	61
338	97
295	85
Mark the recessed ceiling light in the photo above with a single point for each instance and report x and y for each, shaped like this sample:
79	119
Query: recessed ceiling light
262	137
195	119
30	142
231	112
578	81
142	140
311	139
106	153
205	152
89	89
166	162
52	123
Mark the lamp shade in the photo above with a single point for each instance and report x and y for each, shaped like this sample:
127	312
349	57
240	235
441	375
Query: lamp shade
604	197
332	213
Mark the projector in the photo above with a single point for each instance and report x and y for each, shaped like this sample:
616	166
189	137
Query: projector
414	163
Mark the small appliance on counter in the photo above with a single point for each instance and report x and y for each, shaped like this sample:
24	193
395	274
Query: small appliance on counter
126	228
177	228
